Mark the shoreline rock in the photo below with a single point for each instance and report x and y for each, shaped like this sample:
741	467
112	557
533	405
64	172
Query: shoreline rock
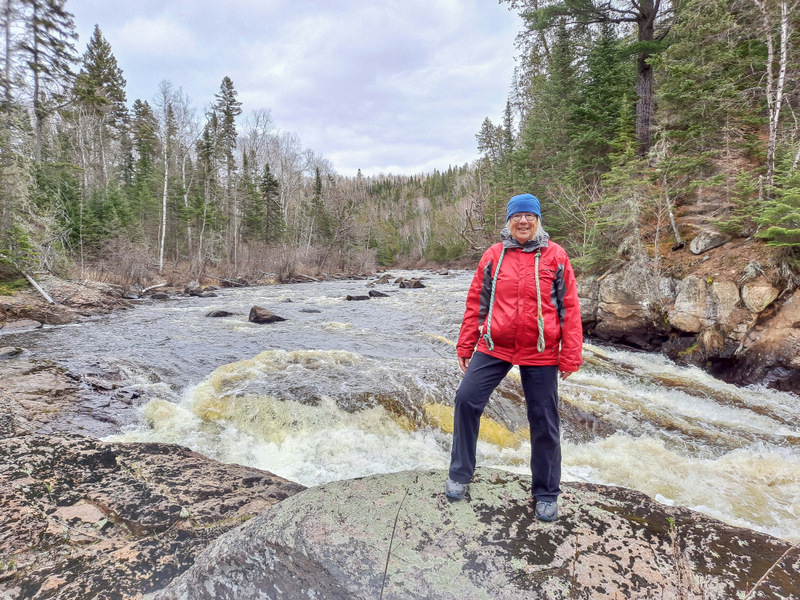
83	518
742	333
74	300
332	541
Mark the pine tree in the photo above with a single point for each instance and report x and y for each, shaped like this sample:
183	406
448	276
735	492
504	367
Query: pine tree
226	109
652	19
319	215
608	81
274	225
705	74
781	213
48	49
98	116
143	195
544	154
203	210
100	83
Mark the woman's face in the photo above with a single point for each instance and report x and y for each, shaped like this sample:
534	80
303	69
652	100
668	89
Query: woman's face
525	229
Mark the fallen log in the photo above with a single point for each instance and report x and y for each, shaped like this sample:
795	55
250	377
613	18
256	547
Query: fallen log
38	288
152	287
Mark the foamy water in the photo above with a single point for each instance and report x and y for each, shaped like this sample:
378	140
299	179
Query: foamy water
367	387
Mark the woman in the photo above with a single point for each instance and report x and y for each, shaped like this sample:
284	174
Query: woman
522	309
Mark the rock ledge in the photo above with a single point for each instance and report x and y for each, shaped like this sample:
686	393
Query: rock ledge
332	542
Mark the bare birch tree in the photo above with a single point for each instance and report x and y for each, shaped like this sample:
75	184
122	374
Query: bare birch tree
776	19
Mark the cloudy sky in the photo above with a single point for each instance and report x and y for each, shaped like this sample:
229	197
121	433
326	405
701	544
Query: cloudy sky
387	86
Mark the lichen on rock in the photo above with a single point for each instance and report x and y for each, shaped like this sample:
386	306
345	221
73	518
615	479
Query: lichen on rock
333	541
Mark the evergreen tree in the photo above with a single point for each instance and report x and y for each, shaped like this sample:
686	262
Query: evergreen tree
143	194
47	46
226	109
781	213
253	209
274	225
705	73
545	156
652	18
100	83
607	82
319	215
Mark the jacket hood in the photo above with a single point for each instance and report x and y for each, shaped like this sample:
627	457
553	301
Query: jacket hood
532	245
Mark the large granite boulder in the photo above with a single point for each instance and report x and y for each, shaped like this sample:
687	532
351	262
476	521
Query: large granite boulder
588	290
628	307
771	354
758	295
703	303
80	518
398	537
37	396
689	311
708	240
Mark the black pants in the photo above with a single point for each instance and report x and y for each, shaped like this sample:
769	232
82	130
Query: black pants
540	385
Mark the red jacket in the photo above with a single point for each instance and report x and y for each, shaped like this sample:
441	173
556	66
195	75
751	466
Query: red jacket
514	328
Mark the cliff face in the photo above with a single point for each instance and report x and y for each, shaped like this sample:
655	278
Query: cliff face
726	307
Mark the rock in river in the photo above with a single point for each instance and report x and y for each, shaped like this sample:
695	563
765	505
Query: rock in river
333	541
219	313
259	314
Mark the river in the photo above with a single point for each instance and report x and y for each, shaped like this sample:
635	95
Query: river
344	389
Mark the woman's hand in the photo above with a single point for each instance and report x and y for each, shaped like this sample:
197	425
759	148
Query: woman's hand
463	363
565	374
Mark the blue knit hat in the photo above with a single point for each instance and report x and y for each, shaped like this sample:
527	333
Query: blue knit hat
523	203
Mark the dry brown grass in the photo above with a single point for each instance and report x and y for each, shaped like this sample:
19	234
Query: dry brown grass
127	264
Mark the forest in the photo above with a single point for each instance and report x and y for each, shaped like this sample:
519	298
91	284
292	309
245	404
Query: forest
636	123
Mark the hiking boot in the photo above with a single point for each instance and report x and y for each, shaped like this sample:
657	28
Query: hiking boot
546	511
453	489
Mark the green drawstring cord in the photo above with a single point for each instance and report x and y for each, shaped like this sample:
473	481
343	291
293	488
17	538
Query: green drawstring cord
488	335
540	320
540	317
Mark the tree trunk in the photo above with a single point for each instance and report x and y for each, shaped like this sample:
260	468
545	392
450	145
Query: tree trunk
186	203
38	110
7	74
644	105
163	229
644	78
104	167
775	84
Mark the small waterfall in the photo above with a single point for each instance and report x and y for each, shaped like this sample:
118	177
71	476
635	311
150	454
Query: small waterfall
354	388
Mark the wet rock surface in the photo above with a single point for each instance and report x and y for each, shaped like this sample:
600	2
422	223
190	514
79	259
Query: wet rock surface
259	314
333	541
37	396
82	518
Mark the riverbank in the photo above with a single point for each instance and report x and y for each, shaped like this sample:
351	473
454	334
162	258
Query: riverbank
55	476
74	300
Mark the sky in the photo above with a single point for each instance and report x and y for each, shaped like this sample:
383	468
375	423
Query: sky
385	86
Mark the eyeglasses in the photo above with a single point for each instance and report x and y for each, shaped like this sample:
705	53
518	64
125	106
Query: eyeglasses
518	217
